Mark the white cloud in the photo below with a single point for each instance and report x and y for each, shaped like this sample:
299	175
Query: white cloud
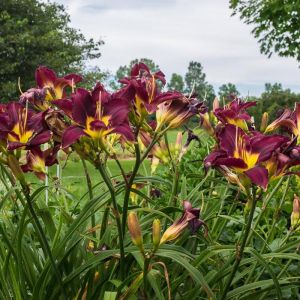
174	32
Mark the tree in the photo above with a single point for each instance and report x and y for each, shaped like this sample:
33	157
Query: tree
92	75
33	34
274	100
228	89
276	24
195	82
124	71
176	83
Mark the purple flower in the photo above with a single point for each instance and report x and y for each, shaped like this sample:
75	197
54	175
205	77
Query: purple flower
22	127
247	156
235	113
95	115
49	88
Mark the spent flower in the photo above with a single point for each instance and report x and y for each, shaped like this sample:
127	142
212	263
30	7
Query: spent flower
189	218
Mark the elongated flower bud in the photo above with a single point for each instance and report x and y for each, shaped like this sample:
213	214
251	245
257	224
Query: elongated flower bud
216	103
156	233
295	216
135	230
206	124
264	121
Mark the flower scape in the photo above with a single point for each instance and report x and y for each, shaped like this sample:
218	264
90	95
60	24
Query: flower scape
196	217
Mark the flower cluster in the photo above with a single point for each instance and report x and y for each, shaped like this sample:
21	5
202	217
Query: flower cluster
246	156
58	115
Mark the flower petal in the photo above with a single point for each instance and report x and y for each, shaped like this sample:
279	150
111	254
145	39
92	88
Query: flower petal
65	105
83	106
44	77
40	139
71	136
266	145
259	176
125	131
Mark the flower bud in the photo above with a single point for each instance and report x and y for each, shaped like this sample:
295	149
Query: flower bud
206	124
264	122
216	104
15	168
156	233
295	216
135	230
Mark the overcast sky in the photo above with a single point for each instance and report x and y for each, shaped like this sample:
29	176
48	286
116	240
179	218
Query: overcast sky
174	32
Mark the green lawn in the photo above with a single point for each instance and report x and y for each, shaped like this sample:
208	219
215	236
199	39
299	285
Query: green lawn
73	178
72	173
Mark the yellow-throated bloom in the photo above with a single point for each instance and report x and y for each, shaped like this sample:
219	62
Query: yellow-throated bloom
49	88
247	155
95	115
22	127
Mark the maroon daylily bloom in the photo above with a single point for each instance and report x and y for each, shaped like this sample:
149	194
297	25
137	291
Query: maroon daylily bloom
235	113
37	160
283	160
174	113
49	88
248	156
96	115
288	119
142	86
23	127
190	217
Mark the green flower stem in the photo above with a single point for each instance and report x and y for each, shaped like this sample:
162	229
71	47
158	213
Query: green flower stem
265	204
231	209
241	249
112	191
121	168
145	272
136	167
129	185
172	199
275	220
42	237
90	190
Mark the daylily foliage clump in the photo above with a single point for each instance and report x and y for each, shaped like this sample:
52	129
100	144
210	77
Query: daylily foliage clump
143	232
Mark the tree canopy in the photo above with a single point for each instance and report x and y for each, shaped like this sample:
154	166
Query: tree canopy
34	33
176	83
228	89
195	80
273	100
276	24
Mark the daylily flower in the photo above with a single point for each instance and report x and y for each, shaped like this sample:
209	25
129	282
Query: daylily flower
281	161
144	88
173	113
190	217
95	115
37	160
235	113
289	120
23	127
49	88
245	155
